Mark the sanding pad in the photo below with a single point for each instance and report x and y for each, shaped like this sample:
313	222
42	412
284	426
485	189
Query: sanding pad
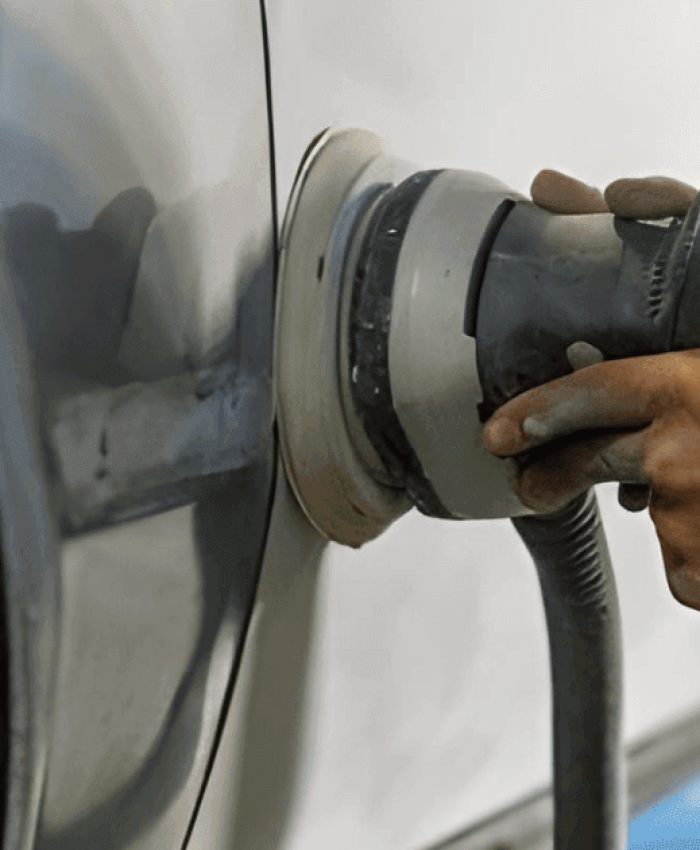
332	468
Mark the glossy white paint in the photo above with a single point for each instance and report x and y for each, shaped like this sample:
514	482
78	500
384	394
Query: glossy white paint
426	705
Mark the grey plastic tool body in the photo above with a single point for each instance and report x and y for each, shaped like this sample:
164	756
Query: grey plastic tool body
552	280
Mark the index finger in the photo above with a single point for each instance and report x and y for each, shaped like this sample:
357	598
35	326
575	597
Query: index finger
625	393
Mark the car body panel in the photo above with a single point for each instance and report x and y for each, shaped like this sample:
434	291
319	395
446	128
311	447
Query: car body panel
395	694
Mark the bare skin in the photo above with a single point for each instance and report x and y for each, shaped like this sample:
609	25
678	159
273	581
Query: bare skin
652	403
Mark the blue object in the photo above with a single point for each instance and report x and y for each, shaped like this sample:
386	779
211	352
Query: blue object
673	824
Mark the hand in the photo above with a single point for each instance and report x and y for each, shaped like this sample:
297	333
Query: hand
635	420
646	198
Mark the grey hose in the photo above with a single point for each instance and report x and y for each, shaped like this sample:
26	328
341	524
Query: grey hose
571	555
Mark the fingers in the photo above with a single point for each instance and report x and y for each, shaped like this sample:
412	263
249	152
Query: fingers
664	455
581	354
649	197
623	394
561	194
634	497
549	480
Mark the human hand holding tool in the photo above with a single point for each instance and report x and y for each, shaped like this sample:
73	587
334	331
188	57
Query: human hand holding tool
634	420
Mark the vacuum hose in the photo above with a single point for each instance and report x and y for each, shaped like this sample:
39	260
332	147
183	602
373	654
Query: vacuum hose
583	623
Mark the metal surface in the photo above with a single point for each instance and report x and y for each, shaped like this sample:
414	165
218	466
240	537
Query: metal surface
32	585
256	788
129	452
125	644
